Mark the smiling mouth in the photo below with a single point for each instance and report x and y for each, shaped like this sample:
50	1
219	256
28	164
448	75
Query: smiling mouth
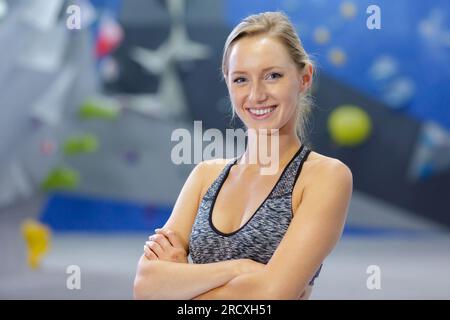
261	113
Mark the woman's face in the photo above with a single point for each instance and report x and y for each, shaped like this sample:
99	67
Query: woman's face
264	83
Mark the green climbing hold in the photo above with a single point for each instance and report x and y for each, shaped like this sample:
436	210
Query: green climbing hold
349	125
96	109
61	178
80	144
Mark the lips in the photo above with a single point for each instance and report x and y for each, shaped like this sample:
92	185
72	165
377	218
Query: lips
261	112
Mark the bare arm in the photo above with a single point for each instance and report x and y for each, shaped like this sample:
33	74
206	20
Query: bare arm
247	286
159	279
255	288
163	271
312	234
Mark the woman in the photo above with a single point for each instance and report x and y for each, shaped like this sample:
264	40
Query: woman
254	236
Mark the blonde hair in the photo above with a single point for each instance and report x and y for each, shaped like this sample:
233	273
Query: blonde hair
278	25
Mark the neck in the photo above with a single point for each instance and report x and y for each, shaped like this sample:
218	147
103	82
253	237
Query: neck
269	150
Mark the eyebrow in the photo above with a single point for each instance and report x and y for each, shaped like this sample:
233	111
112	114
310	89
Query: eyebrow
265	69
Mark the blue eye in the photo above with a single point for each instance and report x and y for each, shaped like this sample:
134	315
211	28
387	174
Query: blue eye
239	80
274	75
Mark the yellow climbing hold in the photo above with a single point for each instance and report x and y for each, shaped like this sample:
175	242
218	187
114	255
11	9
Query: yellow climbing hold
37	240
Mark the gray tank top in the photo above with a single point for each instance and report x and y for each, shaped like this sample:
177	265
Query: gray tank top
259	237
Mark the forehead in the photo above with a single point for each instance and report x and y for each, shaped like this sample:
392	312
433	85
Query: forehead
258	52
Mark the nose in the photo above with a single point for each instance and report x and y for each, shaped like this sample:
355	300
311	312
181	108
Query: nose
258	93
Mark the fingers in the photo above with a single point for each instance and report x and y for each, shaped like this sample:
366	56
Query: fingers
155	247
161	240
172	236
149	254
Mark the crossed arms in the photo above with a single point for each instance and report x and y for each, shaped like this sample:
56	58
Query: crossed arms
163	271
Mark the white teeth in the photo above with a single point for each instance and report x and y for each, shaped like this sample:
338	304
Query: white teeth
261	111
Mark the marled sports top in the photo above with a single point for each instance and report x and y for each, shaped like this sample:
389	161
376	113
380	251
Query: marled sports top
259	237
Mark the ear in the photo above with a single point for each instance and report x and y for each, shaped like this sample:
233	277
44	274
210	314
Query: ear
306	77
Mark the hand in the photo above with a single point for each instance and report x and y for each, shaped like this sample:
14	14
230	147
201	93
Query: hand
165	245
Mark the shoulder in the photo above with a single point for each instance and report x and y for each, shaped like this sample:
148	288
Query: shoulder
212	166
207	167
216	162
321	176
320	168
209	170
326	194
